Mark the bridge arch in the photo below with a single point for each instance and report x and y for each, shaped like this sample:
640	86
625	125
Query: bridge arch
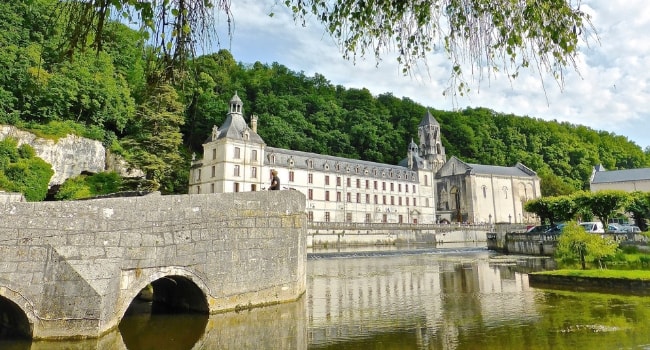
15	321
177	287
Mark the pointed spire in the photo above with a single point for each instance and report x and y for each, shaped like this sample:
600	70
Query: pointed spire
428	119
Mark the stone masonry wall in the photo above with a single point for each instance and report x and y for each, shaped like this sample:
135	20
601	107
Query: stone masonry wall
74	267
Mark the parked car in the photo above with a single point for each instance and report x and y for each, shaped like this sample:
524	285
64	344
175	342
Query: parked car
615	228
556	229
632	229
538	229
593	226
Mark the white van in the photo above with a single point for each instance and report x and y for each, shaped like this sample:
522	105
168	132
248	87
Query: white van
593	226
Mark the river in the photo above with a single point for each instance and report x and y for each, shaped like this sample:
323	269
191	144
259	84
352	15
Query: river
451	298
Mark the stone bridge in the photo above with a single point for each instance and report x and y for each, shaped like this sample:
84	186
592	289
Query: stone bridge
71	269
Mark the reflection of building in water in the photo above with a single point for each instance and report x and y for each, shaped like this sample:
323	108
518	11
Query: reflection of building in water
430	296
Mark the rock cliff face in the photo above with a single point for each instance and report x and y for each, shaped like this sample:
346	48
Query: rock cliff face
69	156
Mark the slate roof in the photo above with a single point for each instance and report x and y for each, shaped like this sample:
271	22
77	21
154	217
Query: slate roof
621	175
519	170
428	119
300	160
499	170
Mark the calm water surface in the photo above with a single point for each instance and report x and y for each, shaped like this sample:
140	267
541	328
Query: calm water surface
448	298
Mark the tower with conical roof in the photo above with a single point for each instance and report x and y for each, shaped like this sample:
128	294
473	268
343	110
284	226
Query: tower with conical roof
431	148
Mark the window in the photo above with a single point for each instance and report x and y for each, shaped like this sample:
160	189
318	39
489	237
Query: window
310	216
348	217
368	218
211	188
399	200
213	171
383	200
376	201
392	187
415	202
367	198
407	201
327	179
413	188
392	200
427	202
236	172
348	197
338	181
291	175
236	187
358	197
426	180
399	187
327	216
254	172
310	164
349	182
310	178
400	219
375	183
338	196
327	195
367	184
407	188
198	175
383	186
358	183
310	194
253	187
254	155
237	152
214	153
384	218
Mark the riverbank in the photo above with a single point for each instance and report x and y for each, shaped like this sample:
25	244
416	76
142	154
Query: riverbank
636	282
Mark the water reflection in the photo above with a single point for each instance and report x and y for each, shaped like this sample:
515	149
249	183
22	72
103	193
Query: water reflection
452	299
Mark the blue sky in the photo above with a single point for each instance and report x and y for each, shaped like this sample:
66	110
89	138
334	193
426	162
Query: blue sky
609	92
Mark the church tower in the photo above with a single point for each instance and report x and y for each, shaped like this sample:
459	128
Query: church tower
431	148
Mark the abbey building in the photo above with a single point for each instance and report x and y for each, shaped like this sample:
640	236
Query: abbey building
424	188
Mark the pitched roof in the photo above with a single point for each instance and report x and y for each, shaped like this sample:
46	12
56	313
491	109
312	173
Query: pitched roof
428	119
519	170
300	160
621	175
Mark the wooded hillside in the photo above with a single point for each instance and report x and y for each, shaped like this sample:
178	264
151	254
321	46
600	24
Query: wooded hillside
113	94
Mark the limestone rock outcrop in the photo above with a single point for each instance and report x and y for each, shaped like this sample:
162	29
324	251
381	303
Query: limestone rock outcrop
69	156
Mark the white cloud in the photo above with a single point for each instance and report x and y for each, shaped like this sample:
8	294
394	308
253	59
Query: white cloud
609	93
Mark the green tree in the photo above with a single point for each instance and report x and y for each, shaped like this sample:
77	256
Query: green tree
154	146
604	203
542	208
86	186
639	207
575	244
500	36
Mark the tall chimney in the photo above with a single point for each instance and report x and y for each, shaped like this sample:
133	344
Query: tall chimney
254	123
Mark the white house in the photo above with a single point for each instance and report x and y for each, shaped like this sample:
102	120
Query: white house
628	180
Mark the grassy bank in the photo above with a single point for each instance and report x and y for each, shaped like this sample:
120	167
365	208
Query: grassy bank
643	275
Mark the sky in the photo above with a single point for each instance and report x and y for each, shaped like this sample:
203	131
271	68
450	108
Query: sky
610	91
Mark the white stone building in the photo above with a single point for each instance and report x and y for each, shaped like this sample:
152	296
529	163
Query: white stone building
628	180
235	159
